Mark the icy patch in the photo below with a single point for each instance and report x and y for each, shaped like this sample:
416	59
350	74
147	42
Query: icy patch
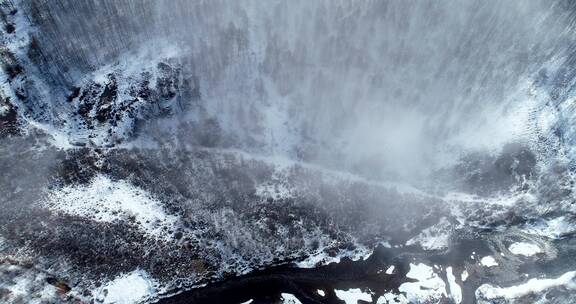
489	293
352	296
290	299
435	237
127	289
105	200
455	290
320	292
488	261
429	287
526	249
390	270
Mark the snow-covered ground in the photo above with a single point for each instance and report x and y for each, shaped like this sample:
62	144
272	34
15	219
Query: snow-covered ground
128	288
429	286
289	299
352	296
436	237
525	249
455	290
488	261
107	200
489	294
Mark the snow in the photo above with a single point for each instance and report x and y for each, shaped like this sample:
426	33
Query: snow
489	292
360	253
248	302
351	296
389	298
21	286
551	228
105	200
57	138
390	270
3	109
320	292
290	299
464	275
488	261
455	290
26	285
435	237
429	286
526	249
127	289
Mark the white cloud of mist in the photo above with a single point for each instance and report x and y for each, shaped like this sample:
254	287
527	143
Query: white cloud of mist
389	89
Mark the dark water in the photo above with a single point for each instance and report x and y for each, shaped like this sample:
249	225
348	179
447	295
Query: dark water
266	286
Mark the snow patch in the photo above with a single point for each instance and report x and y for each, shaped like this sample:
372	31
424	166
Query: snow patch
488	261
435	237
429	287
3	109
389	298
526	249
490	292
290	299
127	289
105	200
352	296
455	290
464	276
27	285
360	253
57	139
